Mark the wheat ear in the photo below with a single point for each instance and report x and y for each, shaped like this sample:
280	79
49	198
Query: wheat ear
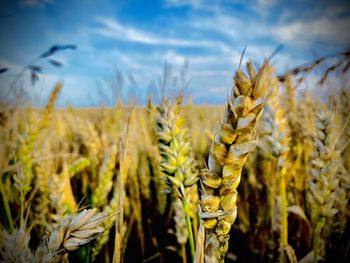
276	143
74	231
25	150
323	181
177	161
235	138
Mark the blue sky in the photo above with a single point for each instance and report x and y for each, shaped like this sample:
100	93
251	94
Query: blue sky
136	37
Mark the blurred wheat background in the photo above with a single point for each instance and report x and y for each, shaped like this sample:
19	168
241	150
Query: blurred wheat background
262	177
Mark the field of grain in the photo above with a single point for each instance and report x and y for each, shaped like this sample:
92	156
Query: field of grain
264	178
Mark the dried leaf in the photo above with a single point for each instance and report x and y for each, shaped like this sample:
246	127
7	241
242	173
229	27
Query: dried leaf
3	70
34	78
35	68
56	48
296	209
309	258
55	63
199	257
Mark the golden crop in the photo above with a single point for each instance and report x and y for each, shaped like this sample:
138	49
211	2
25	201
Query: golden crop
264	178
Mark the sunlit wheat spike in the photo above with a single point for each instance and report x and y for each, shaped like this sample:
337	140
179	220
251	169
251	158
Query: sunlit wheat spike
274	126
15	246
78	166
73	232
275	144
57	199
88	135
105	176
102	239
26	148
342	119
339	221
43	171
343	106
234	139
174	146
177	164
44	122
180	222
324	168
323	180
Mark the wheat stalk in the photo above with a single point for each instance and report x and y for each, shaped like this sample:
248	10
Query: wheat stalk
276	144
177	161
235	138
102	239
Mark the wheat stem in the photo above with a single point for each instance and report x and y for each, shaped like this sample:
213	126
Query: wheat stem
317	234
5	202
284	213
189	227
178	165
120	218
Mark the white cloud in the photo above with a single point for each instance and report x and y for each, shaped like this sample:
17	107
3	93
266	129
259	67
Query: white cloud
147	66
177	3
199	60
263	7
267	2
227	25
113	29
329	30
201	5
332	31
205	71
194	4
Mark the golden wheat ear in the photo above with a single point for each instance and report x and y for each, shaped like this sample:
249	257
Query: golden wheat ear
73	232
234	139
25	150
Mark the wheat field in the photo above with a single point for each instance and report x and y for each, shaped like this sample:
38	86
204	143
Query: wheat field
264	178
